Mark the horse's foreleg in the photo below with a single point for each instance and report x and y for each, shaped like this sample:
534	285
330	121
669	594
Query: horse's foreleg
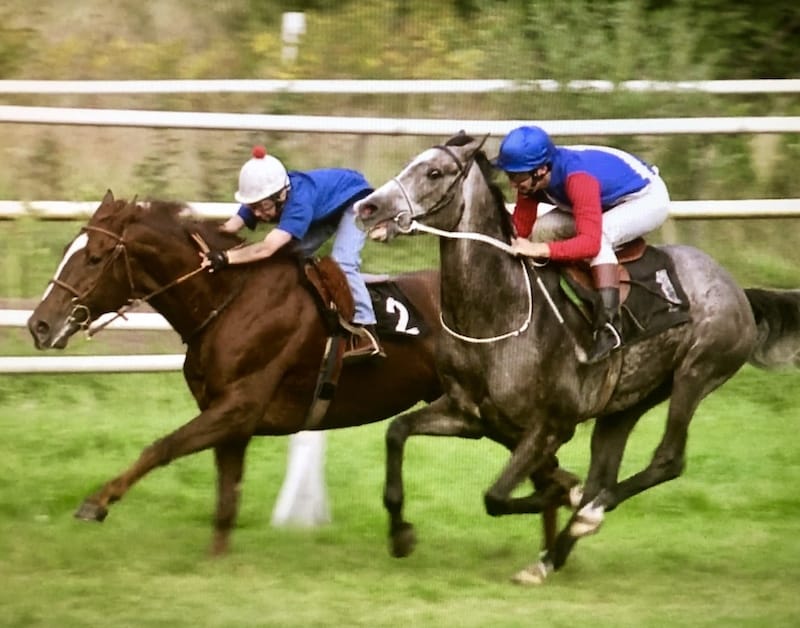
609	438
229	459
534	456
437	419
217	424
563	485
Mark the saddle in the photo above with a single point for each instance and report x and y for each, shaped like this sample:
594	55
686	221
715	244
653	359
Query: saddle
329	285
396	315
651	296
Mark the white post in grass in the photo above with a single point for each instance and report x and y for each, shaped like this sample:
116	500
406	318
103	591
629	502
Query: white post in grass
303	499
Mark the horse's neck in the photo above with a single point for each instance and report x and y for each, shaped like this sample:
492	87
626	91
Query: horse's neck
183	295
482	285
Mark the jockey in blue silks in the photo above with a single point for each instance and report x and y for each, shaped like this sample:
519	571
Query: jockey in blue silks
612	197
308	207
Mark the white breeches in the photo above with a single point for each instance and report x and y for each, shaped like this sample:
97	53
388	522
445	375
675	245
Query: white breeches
636	215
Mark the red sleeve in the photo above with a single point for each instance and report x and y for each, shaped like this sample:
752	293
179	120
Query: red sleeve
583	192
524	215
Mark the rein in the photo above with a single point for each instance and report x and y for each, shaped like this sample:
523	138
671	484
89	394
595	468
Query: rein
480	237
83	321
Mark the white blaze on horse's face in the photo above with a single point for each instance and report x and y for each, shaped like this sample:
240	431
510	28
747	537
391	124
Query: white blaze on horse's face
426	180
422	187
78	244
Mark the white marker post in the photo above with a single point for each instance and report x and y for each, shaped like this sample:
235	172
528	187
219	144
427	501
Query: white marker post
303	499
293	26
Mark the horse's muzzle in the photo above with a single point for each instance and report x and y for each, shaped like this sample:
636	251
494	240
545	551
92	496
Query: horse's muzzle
43	336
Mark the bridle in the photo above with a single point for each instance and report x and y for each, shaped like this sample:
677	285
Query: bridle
405	219
81	315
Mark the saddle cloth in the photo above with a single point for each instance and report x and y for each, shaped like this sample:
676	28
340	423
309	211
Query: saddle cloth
395	313
653	299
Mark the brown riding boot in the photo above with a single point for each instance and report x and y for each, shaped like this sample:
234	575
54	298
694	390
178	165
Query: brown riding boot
363	344
607	335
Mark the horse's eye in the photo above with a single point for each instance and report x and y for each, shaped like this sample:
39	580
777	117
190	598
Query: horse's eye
434	173
94	259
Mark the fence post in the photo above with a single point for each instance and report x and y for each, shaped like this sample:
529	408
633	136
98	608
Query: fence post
303	499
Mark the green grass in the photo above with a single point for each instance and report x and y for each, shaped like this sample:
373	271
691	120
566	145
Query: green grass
719	546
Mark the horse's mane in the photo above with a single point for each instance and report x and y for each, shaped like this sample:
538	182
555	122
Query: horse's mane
489	172
176	218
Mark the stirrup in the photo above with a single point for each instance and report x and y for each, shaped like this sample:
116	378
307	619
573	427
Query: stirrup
362	344
599	353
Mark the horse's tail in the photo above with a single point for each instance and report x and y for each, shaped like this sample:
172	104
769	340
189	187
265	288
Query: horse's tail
777	314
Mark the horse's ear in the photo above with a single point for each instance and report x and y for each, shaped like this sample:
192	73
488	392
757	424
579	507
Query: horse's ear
131	204
476	145
108	199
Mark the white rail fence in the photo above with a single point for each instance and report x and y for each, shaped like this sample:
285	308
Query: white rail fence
303	497
142	118
740	208
404	87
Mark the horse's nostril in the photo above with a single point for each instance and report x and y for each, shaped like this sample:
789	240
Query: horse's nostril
366	210
41	328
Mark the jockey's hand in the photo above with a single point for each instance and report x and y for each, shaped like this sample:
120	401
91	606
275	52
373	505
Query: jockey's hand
523	246
214	260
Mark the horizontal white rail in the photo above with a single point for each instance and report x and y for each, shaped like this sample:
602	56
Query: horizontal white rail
70	210
135	321
742	208
141	118
92	364
311	86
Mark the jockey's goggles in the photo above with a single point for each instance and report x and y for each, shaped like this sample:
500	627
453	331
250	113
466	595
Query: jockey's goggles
275	199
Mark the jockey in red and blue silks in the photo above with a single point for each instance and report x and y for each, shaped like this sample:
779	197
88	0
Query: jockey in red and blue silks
611	196
308	207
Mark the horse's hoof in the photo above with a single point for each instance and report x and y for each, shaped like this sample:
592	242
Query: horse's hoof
91	511
587	520
403	541
534	574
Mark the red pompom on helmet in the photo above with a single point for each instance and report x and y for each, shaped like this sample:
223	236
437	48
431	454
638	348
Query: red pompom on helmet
259	152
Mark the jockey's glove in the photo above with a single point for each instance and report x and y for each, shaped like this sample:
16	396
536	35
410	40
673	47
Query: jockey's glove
217	259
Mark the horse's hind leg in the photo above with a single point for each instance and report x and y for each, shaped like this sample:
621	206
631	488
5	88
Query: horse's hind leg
437	419
667	462
229	459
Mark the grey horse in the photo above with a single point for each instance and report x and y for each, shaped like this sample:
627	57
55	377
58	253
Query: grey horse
511	360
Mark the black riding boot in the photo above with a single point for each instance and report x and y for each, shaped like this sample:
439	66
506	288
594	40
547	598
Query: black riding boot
608	336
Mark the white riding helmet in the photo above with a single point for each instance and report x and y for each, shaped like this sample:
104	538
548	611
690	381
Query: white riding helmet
260	177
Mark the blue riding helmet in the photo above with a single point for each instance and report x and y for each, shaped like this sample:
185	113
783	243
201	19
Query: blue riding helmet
524	149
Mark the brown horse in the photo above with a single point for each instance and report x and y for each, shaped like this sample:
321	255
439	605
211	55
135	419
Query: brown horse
254	336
